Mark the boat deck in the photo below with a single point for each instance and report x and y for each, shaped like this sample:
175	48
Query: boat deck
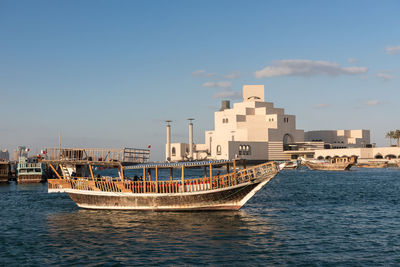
109	184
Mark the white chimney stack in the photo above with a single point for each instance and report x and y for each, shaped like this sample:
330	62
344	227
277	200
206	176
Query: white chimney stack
168	140
190	138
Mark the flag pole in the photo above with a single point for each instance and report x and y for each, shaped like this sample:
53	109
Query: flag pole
59	144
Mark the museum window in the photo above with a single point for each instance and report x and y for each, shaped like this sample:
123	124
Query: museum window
218	150
248	150
173	151
244	150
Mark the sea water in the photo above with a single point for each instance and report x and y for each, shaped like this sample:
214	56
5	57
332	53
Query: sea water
300	218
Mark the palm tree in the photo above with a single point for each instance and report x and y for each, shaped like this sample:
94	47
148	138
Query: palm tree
397	136
390	135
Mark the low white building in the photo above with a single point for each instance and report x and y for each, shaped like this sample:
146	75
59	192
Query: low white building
252	129
389	153
340	138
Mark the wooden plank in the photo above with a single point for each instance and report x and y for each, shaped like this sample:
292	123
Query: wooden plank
92	185
54	170
121	186
144	180
183	178
211	176
91	171
234	172
121	172
156	179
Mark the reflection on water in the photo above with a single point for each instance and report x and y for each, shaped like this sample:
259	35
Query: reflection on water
167	236
299	218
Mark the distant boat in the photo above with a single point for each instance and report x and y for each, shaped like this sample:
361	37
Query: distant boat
334	164
30	170
211	191
372	165
291	165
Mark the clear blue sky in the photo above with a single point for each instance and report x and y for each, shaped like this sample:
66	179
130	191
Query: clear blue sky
108	73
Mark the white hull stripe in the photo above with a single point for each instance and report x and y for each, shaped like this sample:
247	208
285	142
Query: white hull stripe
216	206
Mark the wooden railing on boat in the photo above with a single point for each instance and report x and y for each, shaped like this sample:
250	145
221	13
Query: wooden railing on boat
107	184
128	155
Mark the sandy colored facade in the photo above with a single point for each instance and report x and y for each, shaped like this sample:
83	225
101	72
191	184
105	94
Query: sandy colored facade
340	138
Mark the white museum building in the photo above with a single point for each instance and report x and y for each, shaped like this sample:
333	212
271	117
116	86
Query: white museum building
252	129
255	130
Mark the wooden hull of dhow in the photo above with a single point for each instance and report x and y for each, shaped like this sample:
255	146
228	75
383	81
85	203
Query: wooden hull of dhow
232	198
30	179
372	165
4	178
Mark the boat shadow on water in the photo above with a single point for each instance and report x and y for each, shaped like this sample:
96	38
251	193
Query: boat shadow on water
136	223
141	236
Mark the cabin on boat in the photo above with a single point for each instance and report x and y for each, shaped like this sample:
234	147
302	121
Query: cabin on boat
30	170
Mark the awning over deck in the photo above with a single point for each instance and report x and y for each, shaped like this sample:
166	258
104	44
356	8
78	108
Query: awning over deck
187	164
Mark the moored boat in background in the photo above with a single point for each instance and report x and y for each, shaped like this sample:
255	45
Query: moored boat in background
291	165
30	170
372	165
334	164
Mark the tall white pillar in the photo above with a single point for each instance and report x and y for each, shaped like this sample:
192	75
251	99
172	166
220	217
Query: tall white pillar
168	154
190	139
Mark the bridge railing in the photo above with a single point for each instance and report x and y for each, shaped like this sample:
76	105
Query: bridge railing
129	155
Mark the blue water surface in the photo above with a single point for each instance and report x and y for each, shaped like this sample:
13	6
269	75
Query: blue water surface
301	218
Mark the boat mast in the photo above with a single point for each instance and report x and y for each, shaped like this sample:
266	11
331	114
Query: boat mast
59	144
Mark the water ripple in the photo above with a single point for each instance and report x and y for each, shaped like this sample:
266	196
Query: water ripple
301	218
